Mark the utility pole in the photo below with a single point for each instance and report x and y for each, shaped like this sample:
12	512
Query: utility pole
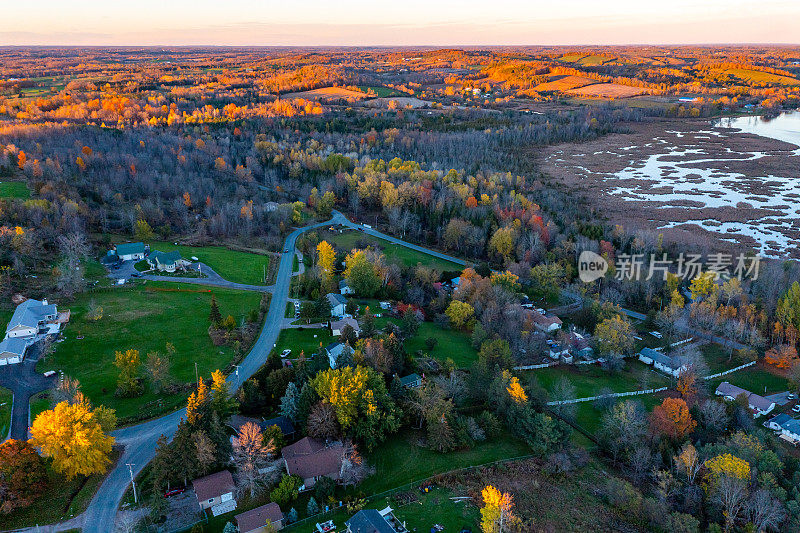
196	374
133	481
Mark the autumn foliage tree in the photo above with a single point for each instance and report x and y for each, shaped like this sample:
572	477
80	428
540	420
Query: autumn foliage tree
496	512
782	356
672	419
74	437
22	475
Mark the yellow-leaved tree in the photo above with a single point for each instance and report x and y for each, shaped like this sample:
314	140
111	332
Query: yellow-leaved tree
74	436
496	510
326	261
727	465
516	391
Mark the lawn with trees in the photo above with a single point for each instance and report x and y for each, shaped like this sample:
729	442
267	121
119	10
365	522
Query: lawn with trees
349	239
145	317
14	189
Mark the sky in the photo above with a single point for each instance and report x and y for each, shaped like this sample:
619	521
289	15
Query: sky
397	23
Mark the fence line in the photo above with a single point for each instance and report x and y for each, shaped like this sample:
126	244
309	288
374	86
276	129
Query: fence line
612	395
729	371
556	363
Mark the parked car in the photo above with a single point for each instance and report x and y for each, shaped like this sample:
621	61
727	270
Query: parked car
286	352
791	396
656	334
796	408
174	492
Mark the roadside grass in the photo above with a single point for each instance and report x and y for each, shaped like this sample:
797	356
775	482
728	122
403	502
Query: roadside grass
589	379
39	402
144	317
307	340
14	189
62	499
290	313
347	240
6	399
295	264
233	265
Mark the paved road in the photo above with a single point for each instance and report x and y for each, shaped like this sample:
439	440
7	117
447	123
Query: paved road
140	440
211	278
375	233
23	381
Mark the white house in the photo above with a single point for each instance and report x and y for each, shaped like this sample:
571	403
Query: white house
338	304
758	404
788	427
335	350
216	492
665	363
12	350
131	251
546	324
344	288
166	261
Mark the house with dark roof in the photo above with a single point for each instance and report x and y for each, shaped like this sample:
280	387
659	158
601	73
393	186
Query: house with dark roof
235	422
344	288
337	326
312	459
665	363
256	520
758	404
338	304
787	427
166	261
411	381
374	521
131	251
215	492
335	351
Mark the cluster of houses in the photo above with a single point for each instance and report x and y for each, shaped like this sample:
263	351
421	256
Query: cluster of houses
138	251
32	321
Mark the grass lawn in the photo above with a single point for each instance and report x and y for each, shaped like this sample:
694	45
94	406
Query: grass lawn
14	189
395	253
756	379
144	317
6	399
239	267
718	359
400	460
589	418
62	499
38	403
290	313
451	343
307	340
589	379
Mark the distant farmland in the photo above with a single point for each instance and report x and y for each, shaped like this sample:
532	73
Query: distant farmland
328	93
606	90
564	83
758	76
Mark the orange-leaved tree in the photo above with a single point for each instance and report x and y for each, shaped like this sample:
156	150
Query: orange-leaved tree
672	419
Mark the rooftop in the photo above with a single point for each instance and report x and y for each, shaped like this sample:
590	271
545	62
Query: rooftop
130	248
369	521
213	486
258	517
311	457
30	312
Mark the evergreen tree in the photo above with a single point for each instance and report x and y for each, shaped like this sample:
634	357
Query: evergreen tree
291	516
289	402
229	528
312	508
214	316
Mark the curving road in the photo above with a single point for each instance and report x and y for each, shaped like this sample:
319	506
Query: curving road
140	440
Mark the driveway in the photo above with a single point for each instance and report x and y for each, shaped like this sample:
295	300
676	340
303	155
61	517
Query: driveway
127	270
23	381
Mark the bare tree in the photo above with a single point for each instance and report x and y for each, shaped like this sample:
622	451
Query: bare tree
731	494
563	390
66	391
353	469
251	455
322	422
766	512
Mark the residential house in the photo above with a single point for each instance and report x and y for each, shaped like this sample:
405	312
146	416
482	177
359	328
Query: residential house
338	304
283	423
337	326
411	381
374	521
758	404
166	261
335	350
544	323
131	251
12	350
312	459
776	422
559	352
788	427
215	492
256	520
665	363
34	317
344	288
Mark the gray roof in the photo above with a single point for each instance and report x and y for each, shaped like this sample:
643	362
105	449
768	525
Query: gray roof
343	284
336	348
411	378
660	358
368	521
30	313
130	248
165	258
14	345
753	399
336	299
792	426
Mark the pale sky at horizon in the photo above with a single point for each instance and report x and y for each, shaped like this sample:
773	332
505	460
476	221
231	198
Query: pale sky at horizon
408	22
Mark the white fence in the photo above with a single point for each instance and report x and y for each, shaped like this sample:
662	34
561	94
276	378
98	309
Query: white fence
612	395
725	373
534	367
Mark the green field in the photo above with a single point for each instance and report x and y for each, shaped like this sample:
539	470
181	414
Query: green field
588	417
589	381
755	379
395	253
6	399
307	340
450	343
38	403
236	266
757	76
381	92
145	317
14	189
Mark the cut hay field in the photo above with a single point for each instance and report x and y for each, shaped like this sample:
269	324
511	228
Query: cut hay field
607	90
14	189
328	93
757	76
563	83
